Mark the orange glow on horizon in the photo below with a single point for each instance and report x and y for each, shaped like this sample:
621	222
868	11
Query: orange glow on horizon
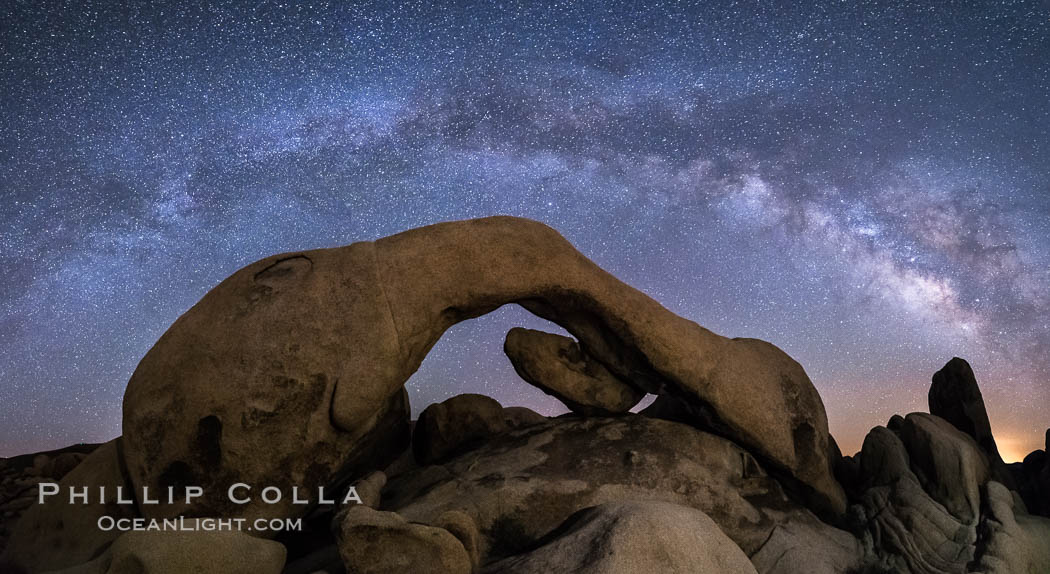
1014	449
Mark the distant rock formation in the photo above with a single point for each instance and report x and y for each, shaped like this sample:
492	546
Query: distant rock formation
1032	477
290	373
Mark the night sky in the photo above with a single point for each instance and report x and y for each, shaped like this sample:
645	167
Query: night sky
865	185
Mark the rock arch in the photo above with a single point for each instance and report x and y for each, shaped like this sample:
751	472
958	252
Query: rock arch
300	360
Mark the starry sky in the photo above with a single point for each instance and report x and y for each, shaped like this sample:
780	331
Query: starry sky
863	184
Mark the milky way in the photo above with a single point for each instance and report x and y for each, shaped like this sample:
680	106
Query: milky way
864	185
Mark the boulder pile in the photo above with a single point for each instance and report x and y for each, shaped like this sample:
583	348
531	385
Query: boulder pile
289	375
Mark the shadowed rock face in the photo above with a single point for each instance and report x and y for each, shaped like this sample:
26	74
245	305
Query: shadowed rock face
291	370
955	397
921	495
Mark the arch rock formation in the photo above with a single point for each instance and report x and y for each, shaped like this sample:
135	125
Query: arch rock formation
291	371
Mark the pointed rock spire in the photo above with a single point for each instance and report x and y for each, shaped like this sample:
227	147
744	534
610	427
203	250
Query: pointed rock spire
955	397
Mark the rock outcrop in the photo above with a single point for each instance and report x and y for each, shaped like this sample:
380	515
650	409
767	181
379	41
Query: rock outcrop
458	423
955	397
560	368
21	475
927	495
1014	542
921	499
374	542
1032	478
520	485
312	350
61	533
370	488
230	552
518	417
948	464
631	537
